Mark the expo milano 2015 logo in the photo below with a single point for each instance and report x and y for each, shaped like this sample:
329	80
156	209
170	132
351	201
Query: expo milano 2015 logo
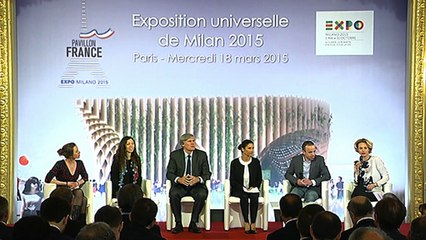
84	54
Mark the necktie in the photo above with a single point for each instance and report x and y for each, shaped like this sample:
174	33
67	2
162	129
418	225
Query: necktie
188	165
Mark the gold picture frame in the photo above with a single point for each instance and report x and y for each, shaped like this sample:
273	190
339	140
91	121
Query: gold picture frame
415	115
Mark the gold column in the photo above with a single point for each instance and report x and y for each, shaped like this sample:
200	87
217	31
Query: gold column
7	38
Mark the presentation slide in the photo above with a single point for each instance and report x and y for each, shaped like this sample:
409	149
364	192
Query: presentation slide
277	72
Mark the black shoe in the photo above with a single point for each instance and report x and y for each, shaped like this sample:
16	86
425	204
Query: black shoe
193	228
178	228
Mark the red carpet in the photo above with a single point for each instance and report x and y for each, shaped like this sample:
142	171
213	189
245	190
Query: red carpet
218	233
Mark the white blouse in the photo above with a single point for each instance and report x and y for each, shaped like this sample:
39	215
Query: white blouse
375	173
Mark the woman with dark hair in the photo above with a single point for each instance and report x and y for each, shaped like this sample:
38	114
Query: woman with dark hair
370	172
245	178
71	173
126	165
31	198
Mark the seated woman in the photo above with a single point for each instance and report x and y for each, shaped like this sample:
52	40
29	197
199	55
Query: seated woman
369	171
71	173
126	165
245	177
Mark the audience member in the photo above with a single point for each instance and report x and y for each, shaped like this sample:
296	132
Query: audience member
361	213
422	209
142	218
304	220
96	231
111	216
31	228
5	231
290	206
418	229
56	212
368	233
326	226
389	213
73	226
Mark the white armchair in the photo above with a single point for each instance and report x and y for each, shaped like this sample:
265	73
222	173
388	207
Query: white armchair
146	186
187	204
232	211
87	189
325	193
347	193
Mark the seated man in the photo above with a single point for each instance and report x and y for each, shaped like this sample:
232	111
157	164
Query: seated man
290	206
389	214
31	228
56	211
361	213
96	231
306	172
142	218
188	170
418	229
304	220
326	225
111	216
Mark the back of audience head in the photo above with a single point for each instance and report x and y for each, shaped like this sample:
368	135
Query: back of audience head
418	229
31	228
128	195
96	231
4	209
326	226
305	218
290	206
54	209
359	207
422	209
64	193
368	233
389	213
144	212
111	216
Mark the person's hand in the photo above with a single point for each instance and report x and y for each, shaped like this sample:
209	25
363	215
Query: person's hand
371	186
72	185
300	183
307	182
183	180
192	180
357	166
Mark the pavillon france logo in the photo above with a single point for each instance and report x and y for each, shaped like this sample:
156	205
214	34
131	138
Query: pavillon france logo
85	53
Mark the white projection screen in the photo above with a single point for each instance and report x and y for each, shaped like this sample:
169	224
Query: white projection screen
277	72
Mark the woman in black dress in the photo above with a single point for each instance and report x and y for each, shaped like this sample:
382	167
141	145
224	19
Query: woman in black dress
71	173
126	165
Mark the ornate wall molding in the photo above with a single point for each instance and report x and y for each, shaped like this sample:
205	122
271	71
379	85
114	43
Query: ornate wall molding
417	107
6	110
416	113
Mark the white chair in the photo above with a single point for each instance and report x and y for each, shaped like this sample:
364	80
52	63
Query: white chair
146	186
88	193
325	193
347	192
187	204
233	218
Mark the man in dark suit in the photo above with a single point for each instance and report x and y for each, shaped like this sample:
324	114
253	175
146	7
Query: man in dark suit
188	170
5	231
361	212
306	172
56	211
290	206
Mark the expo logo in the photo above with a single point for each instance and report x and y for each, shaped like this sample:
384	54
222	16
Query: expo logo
67	82
347	25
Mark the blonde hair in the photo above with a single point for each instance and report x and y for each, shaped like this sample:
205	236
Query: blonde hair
363	140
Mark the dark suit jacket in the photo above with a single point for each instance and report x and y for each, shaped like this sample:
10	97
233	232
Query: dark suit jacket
139	232
363	223
55	234
128	229
394	234
6	232
200	166
73	227
236	175
318	171
288	232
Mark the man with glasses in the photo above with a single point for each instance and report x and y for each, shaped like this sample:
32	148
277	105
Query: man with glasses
306	172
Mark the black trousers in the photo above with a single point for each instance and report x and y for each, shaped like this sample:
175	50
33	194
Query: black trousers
254	205
177	192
